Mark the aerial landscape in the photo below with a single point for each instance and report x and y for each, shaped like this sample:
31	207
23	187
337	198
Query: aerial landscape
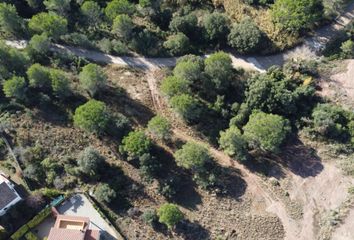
176	119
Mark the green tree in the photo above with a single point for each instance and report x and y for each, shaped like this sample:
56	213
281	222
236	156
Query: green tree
169	214
59	6
266	131
117	7
15	87
136	144
245	36
60	83
123	26
38	76
39	45
92	78
104	193
220	70
12	61
293	16
51	24
347	48
189	70
187	107
159	127
172	86
90	161
177	44
10	22
216	26
149	166
92	116
233	143
192	156
186	24
92	12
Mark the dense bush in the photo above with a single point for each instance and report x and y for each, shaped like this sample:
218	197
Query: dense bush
172	86
38	76
245	36
169	214
92	78
233	143
123	26
92	12
220	70
216	26
104	193
15	87
90	161
192	156
10	22
93	117
60	83
266	131
186	24
51	24
149	166
187	107
160	128
39	46
117	7
293	16
177	44
136	144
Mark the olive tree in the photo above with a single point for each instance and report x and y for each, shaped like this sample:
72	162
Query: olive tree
92	117
92	78
266	131
169	214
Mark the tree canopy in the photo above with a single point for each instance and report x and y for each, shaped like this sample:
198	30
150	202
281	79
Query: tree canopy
136	144
50	23
233	143
92	78
169	214
192	156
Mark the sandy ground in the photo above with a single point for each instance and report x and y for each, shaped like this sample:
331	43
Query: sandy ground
345	231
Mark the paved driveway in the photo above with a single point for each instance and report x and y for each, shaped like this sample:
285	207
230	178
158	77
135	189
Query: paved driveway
79	205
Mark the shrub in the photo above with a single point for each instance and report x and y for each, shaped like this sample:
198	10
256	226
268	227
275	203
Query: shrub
160	127
192	156
39	45
177	44
233	143
60	83
185	24
117	7
187	107
10	22
104	193
220	70
169	214
15	87
59	6
348	48
50	23
123	26
266	131
90	161
92	78
172	86
136	144
188	69
38	76
149	217
92	12
245	36
293	16
92	117
216	26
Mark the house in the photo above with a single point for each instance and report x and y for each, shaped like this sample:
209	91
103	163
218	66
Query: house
8	195
72	228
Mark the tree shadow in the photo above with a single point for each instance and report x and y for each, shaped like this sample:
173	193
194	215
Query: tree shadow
300	159
265	166
192	230
123	103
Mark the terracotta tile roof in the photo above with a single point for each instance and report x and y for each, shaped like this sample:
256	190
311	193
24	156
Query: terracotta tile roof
66	234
